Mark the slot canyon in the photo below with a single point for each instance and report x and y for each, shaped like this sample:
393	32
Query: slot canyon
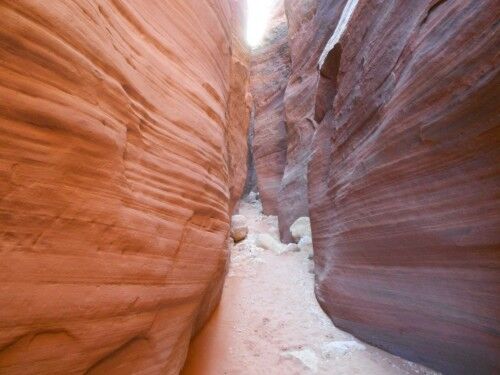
176	198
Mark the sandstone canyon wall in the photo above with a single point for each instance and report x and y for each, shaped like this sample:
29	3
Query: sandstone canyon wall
397	102
122	152
270	69
284	80
239	107
404	183
310	24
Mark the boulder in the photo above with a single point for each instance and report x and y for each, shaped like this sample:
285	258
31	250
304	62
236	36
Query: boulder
239	227
310	267
292	247
268	242
300	228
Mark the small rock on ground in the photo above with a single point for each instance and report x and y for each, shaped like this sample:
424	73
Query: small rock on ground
300	228
239	227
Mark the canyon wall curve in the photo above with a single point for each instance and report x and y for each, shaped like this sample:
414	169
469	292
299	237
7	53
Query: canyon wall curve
123	150
309	27
404	183
270	70
126	131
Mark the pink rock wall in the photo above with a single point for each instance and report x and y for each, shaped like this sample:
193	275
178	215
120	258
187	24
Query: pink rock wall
284	80
239	104
270	69
404	184
115	179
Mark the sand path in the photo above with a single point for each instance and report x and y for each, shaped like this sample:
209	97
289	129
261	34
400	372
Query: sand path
270	323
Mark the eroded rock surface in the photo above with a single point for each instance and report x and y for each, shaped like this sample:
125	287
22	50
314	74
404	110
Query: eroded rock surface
310	23
116	126
239	227
404	184
270	69
286	119
239	107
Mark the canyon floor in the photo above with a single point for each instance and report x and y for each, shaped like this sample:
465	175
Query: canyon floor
269	321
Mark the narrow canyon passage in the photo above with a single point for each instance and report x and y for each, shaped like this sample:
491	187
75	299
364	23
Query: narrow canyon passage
269	321
132	131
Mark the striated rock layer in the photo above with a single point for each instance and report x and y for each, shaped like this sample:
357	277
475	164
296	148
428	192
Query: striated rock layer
115	179
404	184
310	24
270	69
239	106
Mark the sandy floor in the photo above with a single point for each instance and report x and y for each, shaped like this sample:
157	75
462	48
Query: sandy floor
270	323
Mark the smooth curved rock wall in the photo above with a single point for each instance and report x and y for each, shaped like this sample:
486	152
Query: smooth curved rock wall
270	70
404	184
115	179
239	105
310	23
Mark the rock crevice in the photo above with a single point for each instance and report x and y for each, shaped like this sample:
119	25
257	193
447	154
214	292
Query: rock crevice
124	135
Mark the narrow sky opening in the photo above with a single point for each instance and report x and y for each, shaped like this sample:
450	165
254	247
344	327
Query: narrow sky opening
259	14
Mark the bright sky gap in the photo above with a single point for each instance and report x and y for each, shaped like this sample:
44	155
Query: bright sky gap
259	14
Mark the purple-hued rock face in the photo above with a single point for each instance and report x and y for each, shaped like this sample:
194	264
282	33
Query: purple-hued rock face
393	149
309	28
283	80
404	182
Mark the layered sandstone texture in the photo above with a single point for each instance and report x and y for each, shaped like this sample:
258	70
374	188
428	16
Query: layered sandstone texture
310	24
239	108
116	126
270	70
404	183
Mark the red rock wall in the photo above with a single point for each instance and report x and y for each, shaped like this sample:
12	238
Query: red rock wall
284	80
309	26
270	69
115	179
404	184
239	104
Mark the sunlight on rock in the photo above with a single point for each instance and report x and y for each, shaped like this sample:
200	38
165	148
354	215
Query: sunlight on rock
259	14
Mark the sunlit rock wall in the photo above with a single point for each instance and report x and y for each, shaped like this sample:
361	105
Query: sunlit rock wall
404	184
116	126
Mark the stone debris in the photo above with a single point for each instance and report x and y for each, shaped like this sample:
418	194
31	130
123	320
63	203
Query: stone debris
270	322
268	242
305	244
306	356
239	227
292	247
301	228
340	347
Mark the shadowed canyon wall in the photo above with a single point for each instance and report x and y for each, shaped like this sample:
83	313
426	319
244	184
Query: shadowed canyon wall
270	69
309	26
122	150
393	146
404	184
239	106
